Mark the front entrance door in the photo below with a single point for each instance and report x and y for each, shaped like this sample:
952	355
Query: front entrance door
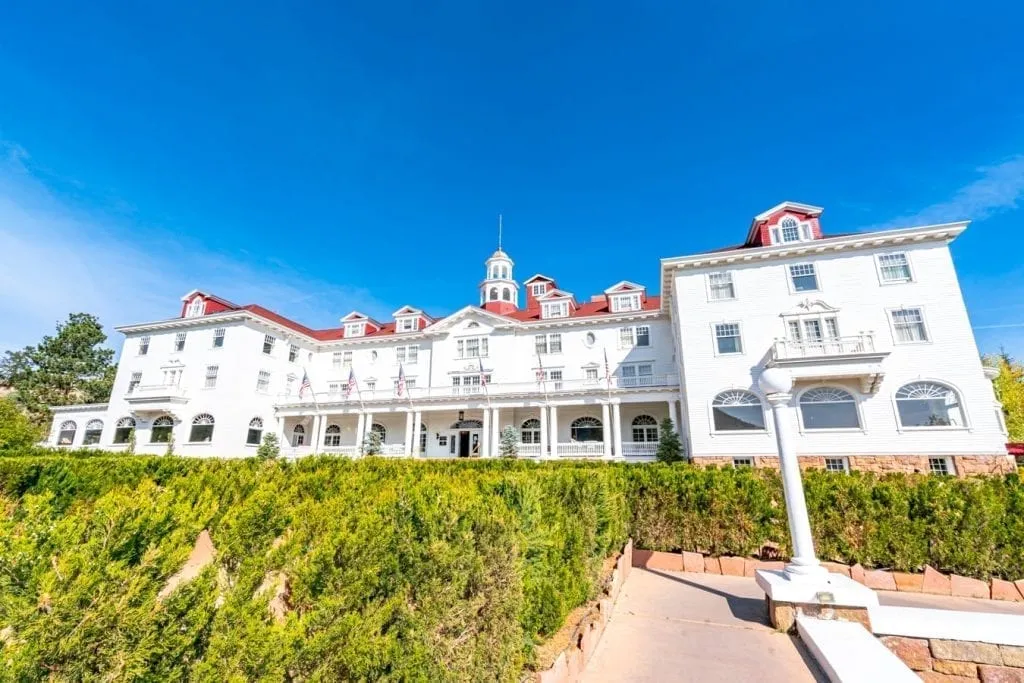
464	444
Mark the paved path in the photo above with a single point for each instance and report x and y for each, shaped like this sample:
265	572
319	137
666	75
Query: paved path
673	626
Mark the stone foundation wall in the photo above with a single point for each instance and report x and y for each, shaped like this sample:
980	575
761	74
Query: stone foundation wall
959	661
964	465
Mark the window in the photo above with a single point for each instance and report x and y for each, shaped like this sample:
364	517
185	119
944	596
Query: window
590	373
355	329
172	376
829	408
636	375
555	377
410	383
837	465
289	384
380	430
939	466
590	339
554	309
66	434
548	343
179	341
211	376
790	231
202	429
93	432
332	436
134	382
371	385
255	434
645	429
909	325
124	429
928	404
298	436
334	388
336	360
494	294
268	344
625	302
407	325
218	337
586	429
144	345
537	288
727	338
742	462
804	277
529	431
630	337
263	381
472	347
468	384
293	353
894	268
407	354
506	294
161	431
346	359
721	287
737	411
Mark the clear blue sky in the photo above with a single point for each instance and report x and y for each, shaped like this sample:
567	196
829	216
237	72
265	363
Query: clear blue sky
317	158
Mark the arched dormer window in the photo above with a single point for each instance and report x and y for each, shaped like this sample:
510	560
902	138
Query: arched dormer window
196	307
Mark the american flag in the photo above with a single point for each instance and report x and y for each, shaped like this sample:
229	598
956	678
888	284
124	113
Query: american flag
607	370
305	384
351	382
400	385
540	370
483	377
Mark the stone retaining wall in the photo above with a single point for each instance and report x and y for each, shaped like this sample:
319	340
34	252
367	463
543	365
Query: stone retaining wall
964	465
959	661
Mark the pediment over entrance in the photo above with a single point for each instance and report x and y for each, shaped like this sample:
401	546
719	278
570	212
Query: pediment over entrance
810	307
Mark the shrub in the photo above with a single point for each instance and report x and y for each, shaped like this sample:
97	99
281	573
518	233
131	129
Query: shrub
669	447
509	443
16	430
269	447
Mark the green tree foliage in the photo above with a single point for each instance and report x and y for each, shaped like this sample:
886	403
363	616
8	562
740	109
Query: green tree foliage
509	442
371	443
70	367
1009	386
669	447
16	430
269	447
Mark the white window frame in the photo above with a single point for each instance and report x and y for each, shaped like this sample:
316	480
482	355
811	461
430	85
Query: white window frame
623	303
336	362
545	343
462	347
714	338
269	341
293	353
968	425
792	282
263	381
633	332
711	285
858	400
739	461
144	343
356	329
924	324
804	231
346	359
538	288
210	378
878	268
196	307
179	342
765	415
843	464
591	374
218	333
134	381
408	354
554	309
407	324
946	462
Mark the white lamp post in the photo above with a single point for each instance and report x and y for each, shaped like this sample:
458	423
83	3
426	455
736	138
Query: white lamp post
777	386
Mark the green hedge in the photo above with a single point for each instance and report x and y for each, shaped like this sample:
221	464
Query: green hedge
401	569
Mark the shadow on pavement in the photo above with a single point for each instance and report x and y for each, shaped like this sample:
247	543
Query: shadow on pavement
747	609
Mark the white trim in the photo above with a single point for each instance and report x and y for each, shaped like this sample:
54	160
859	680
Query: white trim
792	285
924	322
714	337
712	431
967	426
732	283
857	401
878	267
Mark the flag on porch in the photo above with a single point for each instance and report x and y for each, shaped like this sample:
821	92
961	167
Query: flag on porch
400	384
607	370
483	376
351	384
306	385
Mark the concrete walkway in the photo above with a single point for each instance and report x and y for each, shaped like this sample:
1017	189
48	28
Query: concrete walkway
670	626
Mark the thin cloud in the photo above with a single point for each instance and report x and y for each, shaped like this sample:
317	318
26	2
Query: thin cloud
59	258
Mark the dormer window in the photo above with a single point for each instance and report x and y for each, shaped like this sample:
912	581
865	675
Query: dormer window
538	288
407	325
790	230
355	329
555	309
625	302
196	307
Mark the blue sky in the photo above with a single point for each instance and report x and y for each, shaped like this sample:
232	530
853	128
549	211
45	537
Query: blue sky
317	158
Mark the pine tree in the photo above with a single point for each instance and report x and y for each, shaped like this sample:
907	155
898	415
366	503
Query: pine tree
170	444
371	444
131	443
269	448
509	443
669	447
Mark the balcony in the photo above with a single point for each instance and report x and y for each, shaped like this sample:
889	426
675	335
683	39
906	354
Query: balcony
156	397
852	357
639	449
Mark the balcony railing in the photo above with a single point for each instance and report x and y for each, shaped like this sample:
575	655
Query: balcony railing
529	450
579	449
494	389
155	393
789	349
637	449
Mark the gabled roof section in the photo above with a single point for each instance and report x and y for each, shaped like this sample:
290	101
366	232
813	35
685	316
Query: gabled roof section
210	297
538	276
407	310
805	210
624	286
356	316
556	294
585	310
469	312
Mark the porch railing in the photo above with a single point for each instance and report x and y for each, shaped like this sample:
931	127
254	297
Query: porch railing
529	450
639	448
581	449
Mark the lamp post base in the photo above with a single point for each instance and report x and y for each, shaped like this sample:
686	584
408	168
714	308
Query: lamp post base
821	594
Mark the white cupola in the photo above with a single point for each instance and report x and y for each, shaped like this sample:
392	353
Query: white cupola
499	292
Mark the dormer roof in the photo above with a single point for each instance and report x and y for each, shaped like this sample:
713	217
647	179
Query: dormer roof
802	210
407	310
539	276
556	294
624	286
209	297
356	316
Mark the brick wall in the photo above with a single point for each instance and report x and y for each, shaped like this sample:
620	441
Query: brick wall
964	465
953	661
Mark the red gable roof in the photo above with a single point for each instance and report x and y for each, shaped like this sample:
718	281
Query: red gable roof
585	310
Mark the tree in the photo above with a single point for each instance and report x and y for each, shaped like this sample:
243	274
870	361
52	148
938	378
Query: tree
1009	386
509	442
170	444
270	448
70	367
669	447
16	430
371	444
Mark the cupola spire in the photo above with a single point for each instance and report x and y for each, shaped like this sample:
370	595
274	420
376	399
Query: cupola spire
499	292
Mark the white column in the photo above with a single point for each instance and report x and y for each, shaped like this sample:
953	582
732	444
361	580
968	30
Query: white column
617	423
485	435
554	431
543	431
776	385
360	426
318	421
417	420
408	433
607	431
672	414
367	424
496	432
284	443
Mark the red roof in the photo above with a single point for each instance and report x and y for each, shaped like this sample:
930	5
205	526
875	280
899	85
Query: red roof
587	309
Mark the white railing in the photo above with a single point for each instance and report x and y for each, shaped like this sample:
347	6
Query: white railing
529	450
639	448
581	448
156	391
392	449
786	349
350	450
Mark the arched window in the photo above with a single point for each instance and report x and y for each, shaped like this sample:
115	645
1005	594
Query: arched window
332	436
789	230
829	408
504	272
162	428
494	272
93	432
589	339
380	430
298	436
202	429
494	294
468	424
196	307
929	404
529	431
255	433
645	429
66	434
586	429
124	429
737	411
506	294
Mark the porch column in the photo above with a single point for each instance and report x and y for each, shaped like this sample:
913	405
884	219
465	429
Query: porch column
607	431
543	431
554	431
367	427
485	450
417	420
318	421
617	422
283	443
496	432
408	433
360	426
673	415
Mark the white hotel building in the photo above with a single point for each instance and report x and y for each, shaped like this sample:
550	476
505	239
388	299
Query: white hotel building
872	326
